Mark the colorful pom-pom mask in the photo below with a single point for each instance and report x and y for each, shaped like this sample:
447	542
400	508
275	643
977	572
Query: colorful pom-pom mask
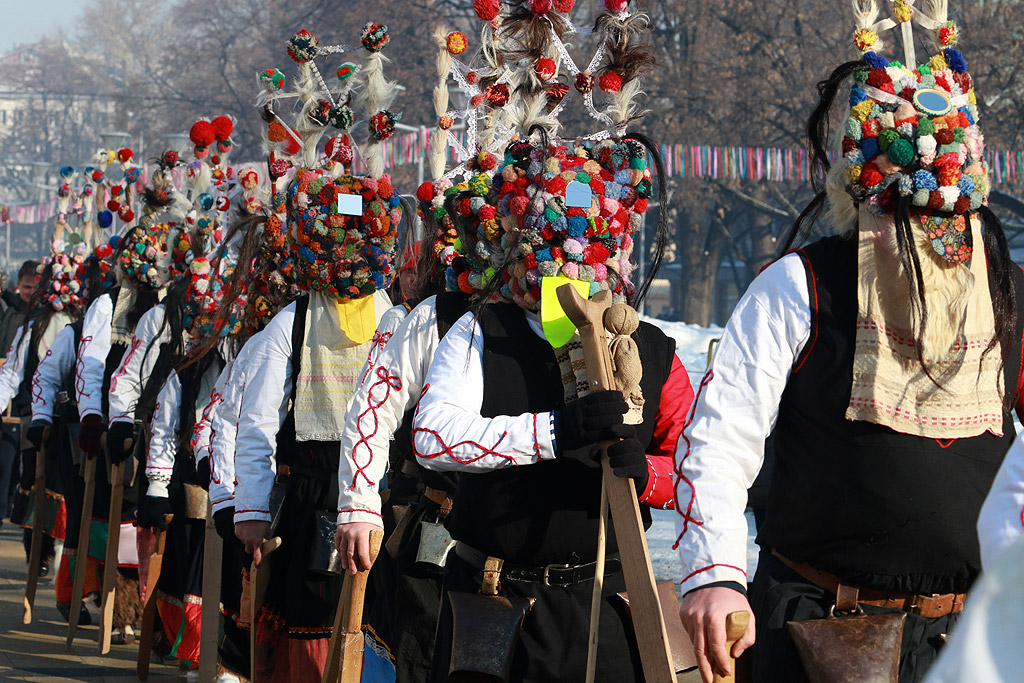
912	134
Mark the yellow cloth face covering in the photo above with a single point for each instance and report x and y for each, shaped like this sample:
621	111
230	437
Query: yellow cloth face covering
557	327
357	318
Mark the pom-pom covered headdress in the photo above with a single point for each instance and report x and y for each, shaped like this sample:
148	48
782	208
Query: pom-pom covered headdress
912	130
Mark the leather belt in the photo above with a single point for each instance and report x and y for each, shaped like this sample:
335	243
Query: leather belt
928	606
549	575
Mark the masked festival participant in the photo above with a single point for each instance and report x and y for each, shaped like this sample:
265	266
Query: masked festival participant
506	401
307	361
54	412
886	358
404	592
266	290
47	315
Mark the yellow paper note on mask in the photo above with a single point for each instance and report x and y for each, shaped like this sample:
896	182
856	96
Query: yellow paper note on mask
357	319
557	327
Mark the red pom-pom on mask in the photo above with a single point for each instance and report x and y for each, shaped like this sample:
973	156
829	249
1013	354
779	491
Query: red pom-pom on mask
539	7
486	10
223	127
546	69
425	192
564	6
616	5
610	82
202	134
124	155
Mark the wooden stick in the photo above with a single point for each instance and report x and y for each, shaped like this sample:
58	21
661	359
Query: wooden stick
110	559
149	611
648	622
257	588
598	595
345	653
36	552
84	535
213	548
735	626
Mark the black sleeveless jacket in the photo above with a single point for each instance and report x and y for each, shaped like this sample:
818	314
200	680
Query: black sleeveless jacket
878	508
544	513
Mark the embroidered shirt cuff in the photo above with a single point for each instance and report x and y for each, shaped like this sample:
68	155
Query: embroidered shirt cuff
158	488
713	573
252	515
352	515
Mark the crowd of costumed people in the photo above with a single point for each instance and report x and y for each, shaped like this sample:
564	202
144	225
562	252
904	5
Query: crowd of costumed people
241	457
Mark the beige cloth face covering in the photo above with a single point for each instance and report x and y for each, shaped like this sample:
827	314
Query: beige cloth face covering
889	386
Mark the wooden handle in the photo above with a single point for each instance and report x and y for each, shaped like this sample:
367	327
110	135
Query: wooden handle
735	626
84	535
345	652
648	623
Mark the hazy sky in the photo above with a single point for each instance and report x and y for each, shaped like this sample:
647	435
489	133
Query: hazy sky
25	22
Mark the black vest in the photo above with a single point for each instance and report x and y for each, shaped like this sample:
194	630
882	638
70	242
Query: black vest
878	508
544	513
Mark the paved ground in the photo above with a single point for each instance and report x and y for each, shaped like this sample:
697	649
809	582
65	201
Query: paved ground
36	652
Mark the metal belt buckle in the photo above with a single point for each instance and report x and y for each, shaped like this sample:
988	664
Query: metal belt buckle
63	397
547	571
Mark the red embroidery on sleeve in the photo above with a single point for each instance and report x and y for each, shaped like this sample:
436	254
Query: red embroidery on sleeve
80	368
449	451
377	344
215	399
712	566
687	518
37	389
390	382
123	370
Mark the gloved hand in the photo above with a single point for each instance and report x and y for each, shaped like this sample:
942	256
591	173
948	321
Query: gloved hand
224	521
120	441
151	512
89	435
588	420
201	477
35	433
627	457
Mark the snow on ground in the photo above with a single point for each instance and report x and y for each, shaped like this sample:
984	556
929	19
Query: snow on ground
692	348
691	344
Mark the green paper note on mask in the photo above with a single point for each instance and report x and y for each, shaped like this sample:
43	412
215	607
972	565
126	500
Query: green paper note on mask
557	327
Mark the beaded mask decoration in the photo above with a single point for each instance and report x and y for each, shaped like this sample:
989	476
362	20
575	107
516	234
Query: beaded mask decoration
912	130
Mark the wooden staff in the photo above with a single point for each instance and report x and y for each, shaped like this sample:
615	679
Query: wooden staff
213	548
36	552
345	653
258	579
648	622
149	612
84	535
736	625
110	560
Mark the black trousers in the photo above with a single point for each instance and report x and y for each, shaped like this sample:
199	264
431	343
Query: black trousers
552	646
778	594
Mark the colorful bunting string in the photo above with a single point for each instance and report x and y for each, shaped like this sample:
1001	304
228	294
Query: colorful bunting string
773	164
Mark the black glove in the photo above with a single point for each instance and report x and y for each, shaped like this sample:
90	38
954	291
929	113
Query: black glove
588	420
627	457
151	513
89	435
35	433
201	477
120	441
224	521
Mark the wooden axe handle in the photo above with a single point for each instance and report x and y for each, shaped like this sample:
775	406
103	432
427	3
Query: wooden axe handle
736	625
343	664
648	622
84	534
36	549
